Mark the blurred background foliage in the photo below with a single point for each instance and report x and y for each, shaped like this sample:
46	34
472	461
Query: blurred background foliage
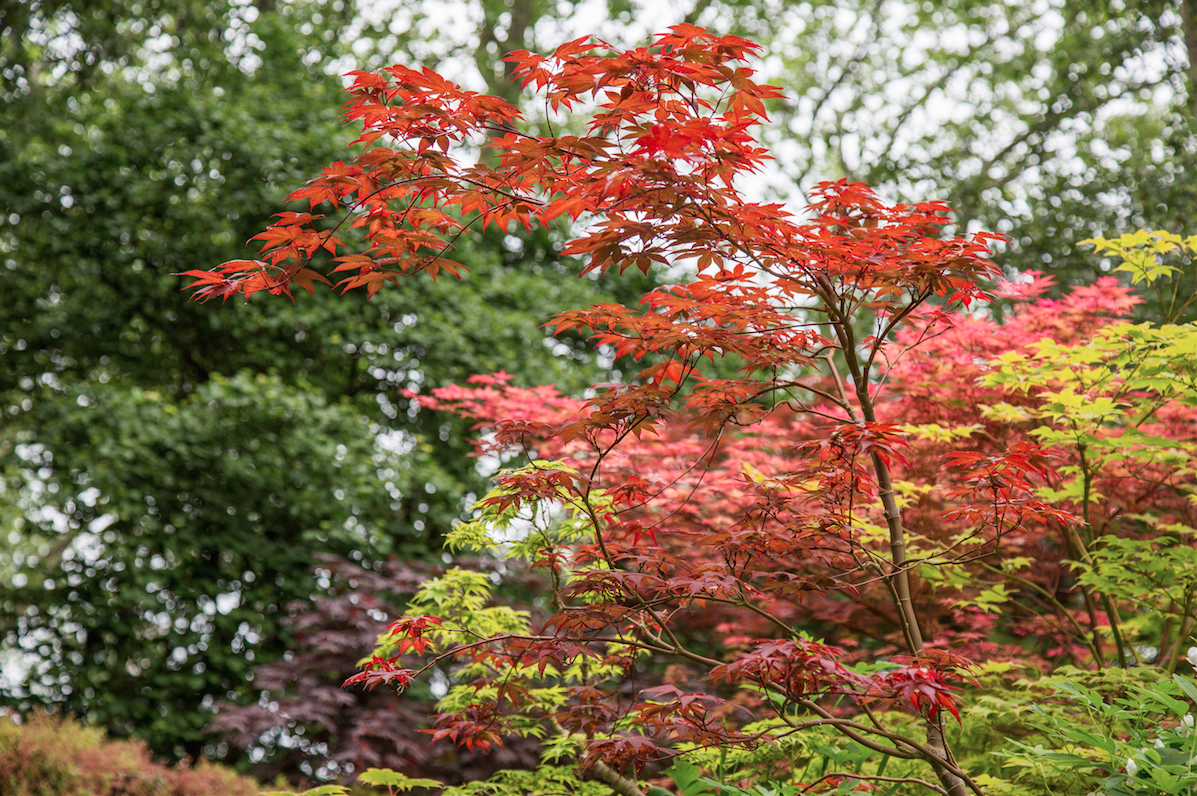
170	472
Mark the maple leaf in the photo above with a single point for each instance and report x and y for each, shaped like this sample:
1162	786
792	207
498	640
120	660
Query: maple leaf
380	671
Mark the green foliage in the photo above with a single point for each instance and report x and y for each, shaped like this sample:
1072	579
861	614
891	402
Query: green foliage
175	553
465	597
1117	405
689	779
1101	399
322	790
1155	257
169	475
544	781
1117	740
1153	575
547	780
394	781
821	761
525	532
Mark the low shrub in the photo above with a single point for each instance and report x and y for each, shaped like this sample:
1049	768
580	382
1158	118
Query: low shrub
50	756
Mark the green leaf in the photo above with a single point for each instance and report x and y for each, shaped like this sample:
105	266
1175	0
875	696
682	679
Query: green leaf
1186	685
688	778
393	779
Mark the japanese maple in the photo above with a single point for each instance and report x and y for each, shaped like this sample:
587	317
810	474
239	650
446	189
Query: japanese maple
752	503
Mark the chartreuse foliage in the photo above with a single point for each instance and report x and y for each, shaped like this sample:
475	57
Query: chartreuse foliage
1160	260
545	781
1120	405
1125	732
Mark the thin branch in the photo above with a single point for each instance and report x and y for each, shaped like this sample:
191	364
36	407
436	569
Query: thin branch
875	778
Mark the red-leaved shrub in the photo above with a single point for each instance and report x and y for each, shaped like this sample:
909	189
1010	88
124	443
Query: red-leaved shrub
50	756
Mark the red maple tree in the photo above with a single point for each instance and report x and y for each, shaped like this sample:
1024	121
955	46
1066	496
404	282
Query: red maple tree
744	479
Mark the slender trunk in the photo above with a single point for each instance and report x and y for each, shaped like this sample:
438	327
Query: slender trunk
897	549
1182	634
1075	546
937	742
1107	602
1166	636
899	575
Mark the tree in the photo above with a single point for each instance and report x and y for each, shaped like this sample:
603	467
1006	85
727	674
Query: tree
157	497
658	168
1040	122
714	522
1049	123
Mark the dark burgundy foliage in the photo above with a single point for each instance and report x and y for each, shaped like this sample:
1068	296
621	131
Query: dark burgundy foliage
305	721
